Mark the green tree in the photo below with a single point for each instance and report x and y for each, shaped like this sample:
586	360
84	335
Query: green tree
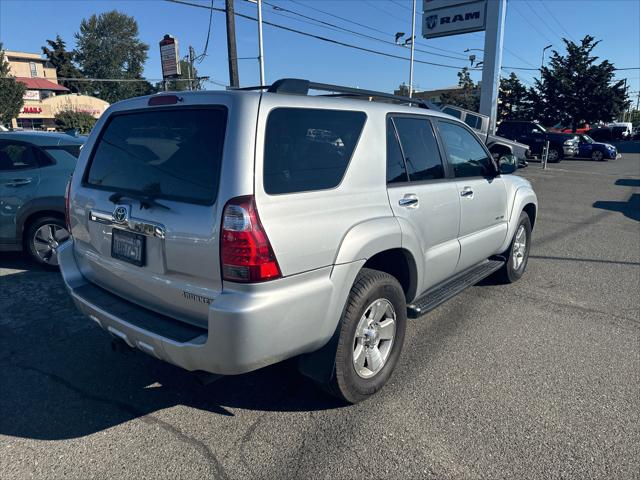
11	92
181	82
108	47
575	88
83	122
468	96
62	60
514	102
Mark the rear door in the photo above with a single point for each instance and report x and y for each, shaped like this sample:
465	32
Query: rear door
145	214
19	178
483	196
422	195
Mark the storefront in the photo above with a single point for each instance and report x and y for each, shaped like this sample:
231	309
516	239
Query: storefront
40	114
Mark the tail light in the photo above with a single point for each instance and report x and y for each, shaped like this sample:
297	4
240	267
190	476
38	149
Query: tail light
67	206
245	252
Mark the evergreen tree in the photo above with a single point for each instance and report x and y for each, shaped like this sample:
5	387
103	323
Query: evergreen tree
62	60
11	92
108	47
514	102
575	88
468	96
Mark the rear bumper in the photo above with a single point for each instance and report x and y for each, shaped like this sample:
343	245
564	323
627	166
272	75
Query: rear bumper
249	326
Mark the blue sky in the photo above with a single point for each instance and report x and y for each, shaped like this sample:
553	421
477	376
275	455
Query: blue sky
531	25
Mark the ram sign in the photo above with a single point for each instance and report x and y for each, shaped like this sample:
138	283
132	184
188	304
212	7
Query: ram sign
441	18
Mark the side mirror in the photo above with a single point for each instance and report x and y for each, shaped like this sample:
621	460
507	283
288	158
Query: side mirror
508	164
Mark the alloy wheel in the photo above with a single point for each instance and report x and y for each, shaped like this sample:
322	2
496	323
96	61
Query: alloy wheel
46	240
374	338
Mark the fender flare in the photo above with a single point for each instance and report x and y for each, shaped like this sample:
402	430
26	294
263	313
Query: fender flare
523	196
366	239
53	204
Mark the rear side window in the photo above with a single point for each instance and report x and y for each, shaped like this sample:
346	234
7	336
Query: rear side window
17	156
420	148
308	149
474	121
174	154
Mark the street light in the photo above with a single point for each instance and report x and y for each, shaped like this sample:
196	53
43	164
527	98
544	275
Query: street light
544	50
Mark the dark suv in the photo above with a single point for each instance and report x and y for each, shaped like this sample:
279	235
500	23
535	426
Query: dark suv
535	135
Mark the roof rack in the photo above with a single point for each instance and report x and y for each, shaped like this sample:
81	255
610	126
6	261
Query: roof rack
297	86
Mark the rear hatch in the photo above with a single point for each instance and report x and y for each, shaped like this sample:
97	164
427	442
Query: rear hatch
145	215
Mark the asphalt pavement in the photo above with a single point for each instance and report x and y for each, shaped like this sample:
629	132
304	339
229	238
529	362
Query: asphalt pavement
538	379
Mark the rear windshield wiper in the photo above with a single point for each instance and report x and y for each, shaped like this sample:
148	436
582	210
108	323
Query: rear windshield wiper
146	201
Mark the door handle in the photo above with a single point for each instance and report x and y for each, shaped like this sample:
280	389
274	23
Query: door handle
467	192
17	182
410	200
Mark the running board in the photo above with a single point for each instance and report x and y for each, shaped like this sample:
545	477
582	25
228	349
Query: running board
442	293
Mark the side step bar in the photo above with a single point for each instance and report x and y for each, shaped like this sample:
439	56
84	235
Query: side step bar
440	294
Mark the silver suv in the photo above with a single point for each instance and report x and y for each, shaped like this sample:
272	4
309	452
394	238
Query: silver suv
225	231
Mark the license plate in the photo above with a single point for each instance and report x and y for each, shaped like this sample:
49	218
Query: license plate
128	246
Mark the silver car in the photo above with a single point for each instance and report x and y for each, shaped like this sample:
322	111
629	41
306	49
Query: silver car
224	231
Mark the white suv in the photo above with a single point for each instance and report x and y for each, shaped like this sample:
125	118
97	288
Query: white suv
224	231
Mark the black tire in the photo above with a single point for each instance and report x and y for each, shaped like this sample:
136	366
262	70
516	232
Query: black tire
598	156
558	153
29	239
508	273
345	383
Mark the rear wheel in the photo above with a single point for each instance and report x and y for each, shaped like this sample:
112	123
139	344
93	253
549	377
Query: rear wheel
518	253
371	337
42	239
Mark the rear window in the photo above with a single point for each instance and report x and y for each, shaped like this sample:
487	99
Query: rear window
308	149
173	154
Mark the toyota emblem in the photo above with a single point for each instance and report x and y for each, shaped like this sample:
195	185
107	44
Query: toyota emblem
120	214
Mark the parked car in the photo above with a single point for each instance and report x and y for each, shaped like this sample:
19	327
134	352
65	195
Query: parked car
224	231
498	146
589	148
622	130
34	170
535	136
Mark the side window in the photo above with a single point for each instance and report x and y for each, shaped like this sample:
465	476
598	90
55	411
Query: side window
309	149
396	171
420	148
16	156
474	121
465	153
452	111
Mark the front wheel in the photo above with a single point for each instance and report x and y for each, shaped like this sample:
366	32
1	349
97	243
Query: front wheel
518	253
597	156
554	155
371	337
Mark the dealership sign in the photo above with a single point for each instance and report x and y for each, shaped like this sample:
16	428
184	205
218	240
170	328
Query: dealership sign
441	18
169	57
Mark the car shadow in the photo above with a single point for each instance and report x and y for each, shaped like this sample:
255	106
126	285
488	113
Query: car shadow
60	377
628	182
630	208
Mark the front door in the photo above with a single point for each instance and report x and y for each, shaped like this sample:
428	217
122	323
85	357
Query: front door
19	178
422	196
483	196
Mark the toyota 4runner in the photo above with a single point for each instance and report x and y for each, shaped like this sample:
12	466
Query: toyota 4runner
225	231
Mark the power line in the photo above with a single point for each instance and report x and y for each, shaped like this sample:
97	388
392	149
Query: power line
318	37
348	20
335	27
387	12
400	5
556	20
535	29
544	22
201	57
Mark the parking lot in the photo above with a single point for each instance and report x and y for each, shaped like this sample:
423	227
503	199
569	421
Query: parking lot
538	379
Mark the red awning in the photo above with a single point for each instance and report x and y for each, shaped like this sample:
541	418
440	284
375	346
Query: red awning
41	84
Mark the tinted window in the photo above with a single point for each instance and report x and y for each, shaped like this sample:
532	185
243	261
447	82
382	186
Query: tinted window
396	171
173	154
464	151
308	149
474	121
420	148
452	111
17	156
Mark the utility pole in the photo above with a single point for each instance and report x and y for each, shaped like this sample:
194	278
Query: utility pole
232	53
192	57
542	64
413	41
261	50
